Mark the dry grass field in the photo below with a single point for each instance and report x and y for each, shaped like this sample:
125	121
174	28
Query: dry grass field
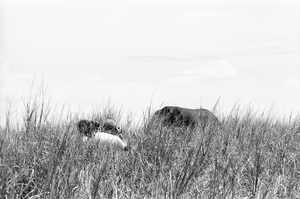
249	156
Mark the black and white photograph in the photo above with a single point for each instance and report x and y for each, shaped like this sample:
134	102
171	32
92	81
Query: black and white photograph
150	99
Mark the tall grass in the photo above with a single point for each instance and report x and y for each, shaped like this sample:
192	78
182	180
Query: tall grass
250	156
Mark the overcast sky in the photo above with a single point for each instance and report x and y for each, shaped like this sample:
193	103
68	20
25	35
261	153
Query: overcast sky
184	53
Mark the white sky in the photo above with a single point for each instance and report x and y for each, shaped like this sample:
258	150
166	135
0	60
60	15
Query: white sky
185	53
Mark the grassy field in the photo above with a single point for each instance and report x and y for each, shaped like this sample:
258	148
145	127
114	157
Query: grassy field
250	156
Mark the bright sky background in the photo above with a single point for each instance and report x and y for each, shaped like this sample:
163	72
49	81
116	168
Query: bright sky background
184	53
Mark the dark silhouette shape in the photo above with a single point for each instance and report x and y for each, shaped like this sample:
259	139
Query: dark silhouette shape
184	117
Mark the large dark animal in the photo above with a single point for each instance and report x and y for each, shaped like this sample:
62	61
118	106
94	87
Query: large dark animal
184	117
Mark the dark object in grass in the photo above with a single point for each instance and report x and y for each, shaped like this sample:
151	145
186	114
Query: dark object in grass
184	117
